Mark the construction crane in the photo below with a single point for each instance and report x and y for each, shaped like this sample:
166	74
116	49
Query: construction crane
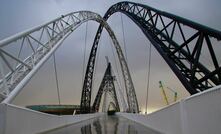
165	95
175	94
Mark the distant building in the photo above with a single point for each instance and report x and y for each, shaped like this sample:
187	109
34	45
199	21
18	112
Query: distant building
56	109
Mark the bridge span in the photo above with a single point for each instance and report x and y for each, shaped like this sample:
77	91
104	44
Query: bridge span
104	125
180	48
199	114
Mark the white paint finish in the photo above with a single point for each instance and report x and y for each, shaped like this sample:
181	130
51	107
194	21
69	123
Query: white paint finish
204	113
22	83
183	118
198	114
24	121
166	119
2	119
163	120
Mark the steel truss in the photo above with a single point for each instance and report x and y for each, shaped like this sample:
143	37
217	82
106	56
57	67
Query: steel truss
107	85
131	95
34	47
87	85
179	41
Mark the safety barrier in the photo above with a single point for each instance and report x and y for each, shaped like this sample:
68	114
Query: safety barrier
198	114
17	120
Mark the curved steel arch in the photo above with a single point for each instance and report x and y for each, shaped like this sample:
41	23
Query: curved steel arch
107	85
180	47
56	31
87	86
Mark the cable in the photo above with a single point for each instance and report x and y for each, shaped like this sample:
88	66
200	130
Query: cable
148	77
124	41
84	49
121	95
119	83
56	78
115	61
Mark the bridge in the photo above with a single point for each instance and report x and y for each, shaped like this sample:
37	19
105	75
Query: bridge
179	41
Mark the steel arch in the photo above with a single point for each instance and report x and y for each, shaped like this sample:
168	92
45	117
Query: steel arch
56	31
107	85
162	29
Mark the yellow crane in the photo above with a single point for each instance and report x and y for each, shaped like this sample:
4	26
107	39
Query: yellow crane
165	95
175	94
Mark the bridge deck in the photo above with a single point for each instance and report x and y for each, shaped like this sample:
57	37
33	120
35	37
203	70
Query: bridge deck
104	124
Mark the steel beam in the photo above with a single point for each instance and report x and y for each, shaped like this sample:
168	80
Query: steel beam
54	32
106	86
163	30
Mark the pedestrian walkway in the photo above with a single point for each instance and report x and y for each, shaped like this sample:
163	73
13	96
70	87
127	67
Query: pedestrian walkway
104	125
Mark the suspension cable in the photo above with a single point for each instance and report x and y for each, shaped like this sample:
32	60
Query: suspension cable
116	80
148	77
119	83
56	78
115	61
124	41
121	95
84	51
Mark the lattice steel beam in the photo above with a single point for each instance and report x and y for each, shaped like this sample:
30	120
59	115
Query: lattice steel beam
179	41
87	85
107	85
17	68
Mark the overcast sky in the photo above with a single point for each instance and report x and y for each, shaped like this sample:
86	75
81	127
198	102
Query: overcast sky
19	15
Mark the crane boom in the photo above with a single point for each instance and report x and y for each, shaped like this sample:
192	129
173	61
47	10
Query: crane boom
175	94
164	93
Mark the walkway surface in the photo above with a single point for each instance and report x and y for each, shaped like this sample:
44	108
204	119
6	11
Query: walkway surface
104	125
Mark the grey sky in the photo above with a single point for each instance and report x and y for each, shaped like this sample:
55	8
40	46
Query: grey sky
19	15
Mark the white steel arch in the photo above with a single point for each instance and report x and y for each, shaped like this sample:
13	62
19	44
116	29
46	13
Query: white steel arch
15	76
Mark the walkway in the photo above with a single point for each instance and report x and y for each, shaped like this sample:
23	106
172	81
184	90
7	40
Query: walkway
104	125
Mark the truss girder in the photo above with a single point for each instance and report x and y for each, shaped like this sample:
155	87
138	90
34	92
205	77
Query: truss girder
34	47
130	91
87	85
179	41
133	107
107	85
